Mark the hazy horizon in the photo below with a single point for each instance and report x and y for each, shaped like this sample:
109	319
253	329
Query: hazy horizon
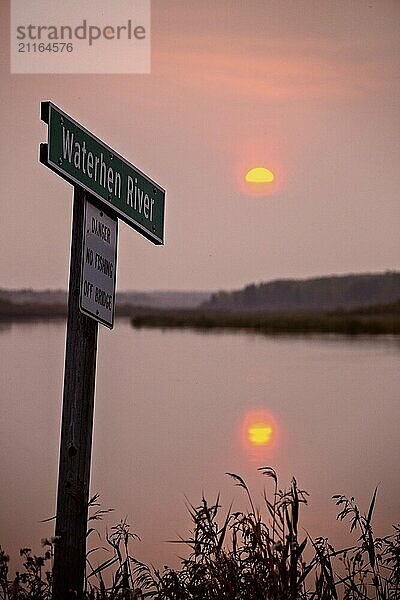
211	291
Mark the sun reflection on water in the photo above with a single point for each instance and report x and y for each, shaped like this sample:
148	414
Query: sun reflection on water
259	431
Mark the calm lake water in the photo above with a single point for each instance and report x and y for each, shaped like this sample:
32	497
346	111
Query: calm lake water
173	409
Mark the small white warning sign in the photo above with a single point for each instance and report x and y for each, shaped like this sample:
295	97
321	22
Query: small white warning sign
99	265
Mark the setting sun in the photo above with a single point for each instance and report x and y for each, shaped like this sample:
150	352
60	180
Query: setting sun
259	175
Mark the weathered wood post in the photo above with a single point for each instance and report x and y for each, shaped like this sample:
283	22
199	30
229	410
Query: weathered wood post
76	428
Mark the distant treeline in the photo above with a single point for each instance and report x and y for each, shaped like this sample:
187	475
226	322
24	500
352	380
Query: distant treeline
322	293
31	310
318	304
28	303
14	311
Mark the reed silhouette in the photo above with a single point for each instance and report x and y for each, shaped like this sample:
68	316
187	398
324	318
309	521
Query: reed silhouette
257	554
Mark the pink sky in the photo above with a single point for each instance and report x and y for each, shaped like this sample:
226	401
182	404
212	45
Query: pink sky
309	89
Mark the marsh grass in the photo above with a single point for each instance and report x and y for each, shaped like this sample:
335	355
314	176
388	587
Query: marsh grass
386	320
239	555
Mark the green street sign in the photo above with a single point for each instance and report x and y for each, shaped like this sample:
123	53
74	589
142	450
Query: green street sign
82	159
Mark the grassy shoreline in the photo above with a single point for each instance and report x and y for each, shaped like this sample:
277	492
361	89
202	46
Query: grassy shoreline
259	553
359	322
374	320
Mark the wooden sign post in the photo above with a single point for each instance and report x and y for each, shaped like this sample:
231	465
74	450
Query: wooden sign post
76	429
103	178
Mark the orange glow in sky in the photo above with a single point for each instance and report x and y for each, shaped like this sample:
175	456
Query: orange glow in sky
259	171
